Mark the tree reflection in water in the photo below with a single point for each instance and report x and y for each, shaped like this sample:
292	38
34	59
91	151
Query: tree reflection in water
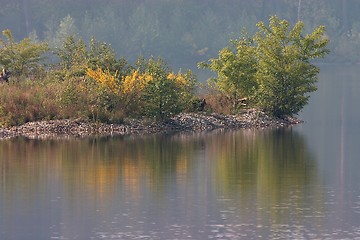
240	179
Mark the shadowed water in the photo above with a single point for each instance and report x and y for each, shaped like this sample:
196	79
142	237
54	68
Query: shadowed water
292	183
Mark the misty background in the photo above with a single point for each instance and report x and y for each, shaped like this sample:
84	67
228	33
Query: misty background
182	32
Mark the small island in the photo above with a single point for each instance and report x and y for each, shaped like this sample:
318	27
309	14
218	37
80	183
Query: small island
262	80
183	122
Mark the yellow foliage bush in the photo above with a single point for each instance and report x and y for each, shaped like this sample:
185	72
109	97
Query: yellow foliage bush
105	79
135	82
139	92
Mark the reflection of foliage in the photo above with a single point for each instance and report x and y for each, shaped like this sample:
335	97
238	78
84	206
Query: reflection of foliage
274	164
137	162
271	153
262	169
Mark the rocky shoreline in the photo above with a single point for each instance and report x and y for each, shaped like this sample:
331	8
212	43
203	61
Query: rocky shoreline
184	122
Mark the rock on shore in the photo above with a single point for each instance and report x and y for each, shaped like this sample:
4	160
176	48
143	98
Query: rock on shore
184	122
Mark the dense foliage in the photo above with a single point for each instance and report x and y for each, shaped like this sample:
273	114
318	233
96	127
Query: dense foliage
272	68
150	89
236	67
88	81
285	74
20	58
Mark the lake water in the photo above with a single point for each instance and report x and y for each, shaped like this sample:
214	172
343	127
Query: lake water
294	183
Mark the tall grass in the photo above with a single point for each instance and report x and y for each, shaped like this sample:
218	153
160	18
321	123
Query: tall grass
47	99
25	101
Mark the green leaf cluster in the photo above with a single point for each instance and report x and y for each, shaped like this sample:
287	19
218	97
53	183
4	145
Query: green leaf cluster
236	66
20	58
273	67
75	57
164	96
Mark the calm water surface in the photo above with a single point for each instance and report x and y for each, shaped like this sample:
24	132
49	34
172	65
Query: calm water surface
295	183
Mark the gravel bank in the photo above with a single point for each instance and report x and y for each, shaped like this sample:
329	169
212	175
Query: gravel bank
184	122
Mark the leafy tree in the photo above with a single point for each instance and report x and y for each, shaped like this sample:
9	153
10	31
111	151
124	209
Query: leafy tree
285	74
76	57
236	67
98	61
107	95
102	55
105	80
273	66
21	58
160	98
73	57
165	93
132	90
150	89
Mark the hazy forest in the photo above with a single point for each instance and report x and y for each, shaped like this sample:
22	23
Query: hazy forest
182	32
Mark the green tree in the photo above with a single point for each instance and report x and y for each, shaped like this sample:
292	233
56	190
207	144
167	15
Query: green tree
21	58
273	66
73	56
285	74
165	93
76	57
101	54
236	66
